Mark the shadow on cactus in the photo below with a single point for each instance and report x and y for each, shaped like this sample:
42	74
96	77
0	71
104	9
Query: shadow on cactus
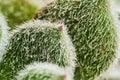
91	28
37	41
43	71
16	11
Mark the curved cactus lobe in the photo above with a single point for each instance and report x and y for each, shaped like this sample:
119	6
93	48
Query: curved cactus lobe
43	71
35	42
92	31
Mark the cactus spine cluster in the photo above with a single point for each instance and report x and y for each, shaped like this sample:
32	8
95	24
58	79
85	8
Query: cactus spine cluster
43	71
39	41
3	34
91	28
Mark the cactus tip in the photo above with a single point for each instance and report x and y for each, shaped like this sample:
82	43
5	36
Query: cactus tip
60	27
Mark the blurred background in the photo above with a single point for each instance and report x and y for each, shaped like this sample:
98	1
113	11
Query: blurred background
19	11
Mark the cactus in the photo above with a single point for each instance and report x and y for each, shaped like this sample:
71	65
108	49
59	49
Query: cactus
43	71
3	34
16	11
90	25
37	41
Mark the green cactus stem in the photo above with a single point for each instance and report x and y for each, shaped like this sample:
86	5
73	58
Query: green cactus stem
37	41
91	29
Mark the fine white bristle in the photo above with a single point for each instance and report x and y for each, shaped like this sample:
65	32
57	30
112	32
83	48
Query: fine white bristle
41	68
5	35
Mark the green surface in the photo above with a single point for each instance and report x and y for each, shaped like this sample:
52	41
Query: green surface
92	32
17	11
46	75
36	43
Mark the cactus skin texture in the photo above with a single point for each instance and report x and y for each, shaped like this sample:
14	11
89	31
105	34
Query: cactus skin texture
37	41
3	34
43	71
91	28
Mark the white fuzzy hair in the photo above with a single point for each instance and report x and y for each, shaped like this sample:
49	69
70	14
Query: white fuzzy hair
70	50
66	42
37	24
40	67
5	35
114	8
